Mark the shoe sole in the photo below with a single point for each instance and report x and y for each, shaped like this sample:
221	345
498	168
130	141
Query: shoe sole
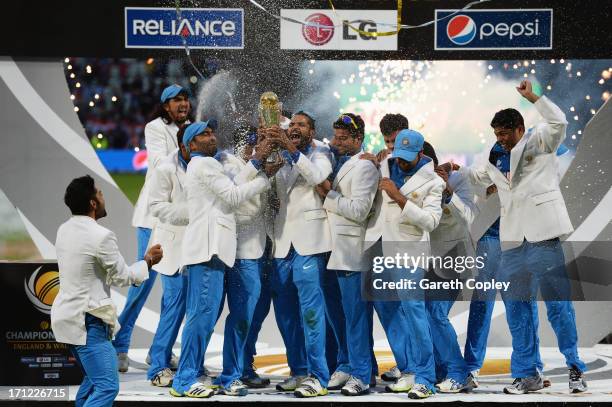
299	395
347	393
256	386
284	389
239	393
162	385
339	387
390	390
388	378
415	396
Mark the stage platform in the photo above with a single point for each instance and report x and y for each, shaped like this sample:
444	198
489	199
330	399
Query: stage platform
136	391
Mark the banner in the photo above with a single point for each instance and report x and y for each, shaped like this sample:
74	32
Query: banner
28	350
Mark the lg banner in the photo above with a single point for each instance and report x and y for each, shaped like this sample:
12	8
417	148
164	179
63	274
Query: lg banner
329	30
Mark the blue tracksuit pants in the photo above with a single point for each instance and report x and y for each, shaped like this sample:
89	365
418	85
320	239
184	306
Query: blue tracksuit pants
243	286
300	312
204	294
98	361
529	268
136	298
173	311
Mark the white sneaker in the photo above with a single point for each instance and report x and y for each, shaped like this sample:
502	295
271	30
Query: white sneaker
473	377
391	375
355	387
577	384
197	390
419	391
524	385
123	362
450	386
236	388
338	380
310	387
163	378
403	384
291	383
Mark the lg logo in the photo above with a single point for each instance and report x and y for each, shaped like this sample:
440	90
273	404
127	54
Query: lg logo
321	29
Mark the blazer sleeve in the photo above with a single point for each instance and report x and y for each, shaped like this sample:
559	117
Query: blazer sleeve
428	216
155	141
462	204
363	191
160	199
477	175
118	273
551	134
248	173
222	186
315	169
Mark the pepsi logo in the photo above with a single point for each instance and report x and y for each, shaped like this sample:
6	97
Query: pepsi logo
461	29
321	30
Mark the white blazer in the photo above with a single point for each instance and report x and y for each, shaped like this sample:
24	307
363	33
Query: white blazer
250	226
168	203
301	220
89	263
348	205
420	215
457	216
532	206
160	140
212	198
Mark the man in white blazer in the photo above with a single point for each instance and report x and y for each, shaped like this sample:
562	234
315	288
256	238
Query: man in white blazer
160	140
209	246
168	203
485	231
407	209
83	314
301	239
450	238
348	195
243	280
533	218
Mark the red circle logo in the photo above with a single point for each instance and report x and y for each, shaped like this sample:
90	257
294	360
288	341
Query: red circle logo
320	33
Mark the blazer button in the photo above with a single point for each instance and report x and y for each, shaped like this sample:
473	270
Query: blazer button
446	211
415	195
529	158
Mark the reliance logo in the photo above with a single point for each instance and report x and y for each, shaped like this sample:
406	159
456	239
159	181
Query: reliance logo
199	28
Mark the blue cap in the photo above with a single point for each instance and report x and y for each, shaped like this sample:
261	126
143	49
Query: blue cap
407	145
171	92
193	130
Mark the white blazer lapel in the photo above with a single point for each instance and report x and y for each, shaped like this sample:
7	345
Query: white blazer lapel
346	168
422	176
517	153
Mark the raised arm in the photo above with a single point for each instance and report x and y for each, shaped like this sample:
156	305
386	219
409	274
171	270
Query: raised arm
221	185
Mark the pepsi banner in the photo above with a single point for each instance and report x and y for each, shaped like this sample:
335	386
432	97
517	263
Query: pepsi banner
28	350
150	27
493	29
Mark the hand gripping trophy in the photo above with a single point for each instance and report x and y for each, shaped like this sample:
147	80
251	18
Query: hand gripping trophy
270	115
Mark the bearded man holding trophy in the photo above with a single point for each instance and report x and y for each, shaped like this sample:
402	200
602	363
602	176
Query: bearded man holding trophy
301	238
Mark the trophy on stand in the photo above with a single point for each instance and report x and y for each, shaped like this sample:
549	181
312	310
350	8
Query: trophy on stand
270	115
